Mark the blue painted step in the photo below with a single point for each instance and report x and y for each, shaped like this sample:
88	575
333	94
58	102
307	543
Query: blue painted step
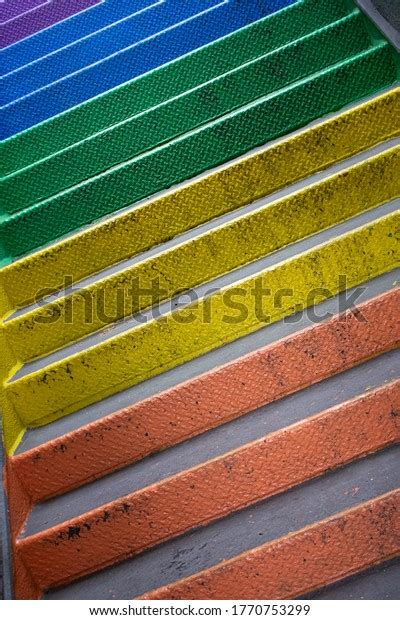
68	31
133	61
98	46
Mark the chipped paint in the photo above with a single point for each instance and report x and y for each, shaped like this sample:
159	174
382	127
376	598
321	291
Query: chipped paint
162	129
212	399
233	481
147	350
207	256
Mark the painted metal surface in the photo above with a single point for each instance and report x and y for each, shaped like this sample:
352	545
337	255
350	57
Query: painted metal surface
65	33
239	533
44	16
223	191
212	399
287	568
193	108
232	435
14	8
212	490
206	257
147	350
204	64
94	48
197	151
218	357
132	61
377	583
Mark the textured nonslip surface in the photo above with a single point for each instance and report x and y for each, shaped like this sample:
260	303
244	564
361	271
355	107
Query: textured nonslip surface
298	563
84	52
14	8
99	490
208	101
147	350
218	193
377	583
246	44
226	538
196	151
33	548
43	16
132	61
211	254
68	31
377	197
102	487
77	537
212	490
353	488
352	332
217	397
243	346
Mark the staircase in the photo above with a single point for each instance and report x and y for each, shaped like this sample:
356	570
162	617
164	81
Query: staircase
200	309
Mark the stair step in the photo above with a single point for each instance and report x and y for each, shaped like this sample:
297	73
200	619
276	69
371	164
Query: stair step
16	8
68	31
240	532
380	581
127	235
303	561
235	433
132	61
168	81
43	16
128	31
109	487
212	490
192	109
147	350
197	151
208	256
212	399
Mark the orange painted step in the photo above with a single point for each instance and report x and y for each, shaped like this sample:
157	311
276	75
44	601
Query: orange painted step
196	497
210	400
301	562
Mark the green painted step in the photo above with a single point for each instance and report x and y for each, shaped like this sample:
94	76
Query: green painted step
169	81
197	151
209	101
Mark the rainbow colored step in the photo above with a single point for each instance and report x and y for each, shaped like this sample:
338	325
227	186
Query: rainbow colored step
203	125
68	31
76	57
134	60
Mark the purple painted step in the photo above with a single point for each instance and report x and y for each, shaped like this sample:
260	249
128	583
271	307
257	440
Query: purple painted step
10	9
43	16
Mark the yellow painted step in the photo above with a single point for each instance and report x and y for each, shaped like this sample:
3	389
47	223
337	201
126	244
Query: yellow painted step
227	247
238	184
147	350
